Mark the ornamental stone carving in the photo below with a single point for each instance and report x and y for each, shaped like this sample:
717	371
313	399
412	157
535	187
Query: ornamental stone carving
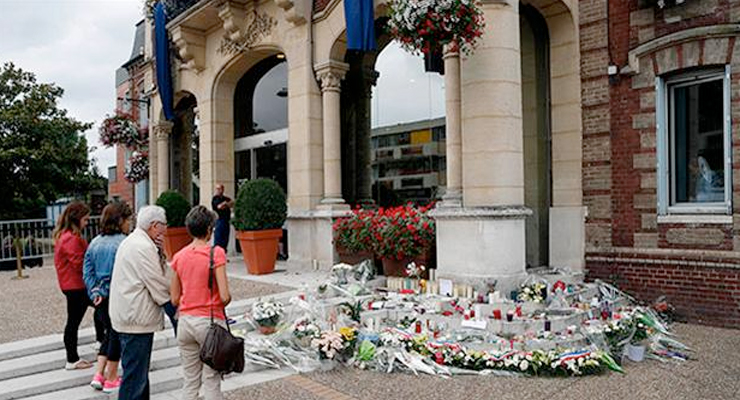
161	130
191	45
330	74
245	27
296	12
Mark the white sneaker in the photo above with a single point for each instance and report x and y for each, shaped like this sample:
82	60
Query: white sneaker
96	346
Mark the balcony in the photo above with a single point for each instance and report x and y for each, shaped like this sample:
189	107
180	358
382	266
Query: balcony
174	8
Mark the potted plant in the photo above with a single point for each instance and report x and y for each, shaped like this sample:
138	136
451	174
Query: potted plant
259	214
636	348
353	236
267	314
176	207
401	235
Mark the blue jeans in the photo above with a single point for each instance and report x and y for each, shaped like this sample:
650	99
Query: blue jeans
136	354
221	234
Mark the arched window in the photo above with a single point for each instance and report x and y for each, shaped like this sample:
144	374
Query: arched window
261	99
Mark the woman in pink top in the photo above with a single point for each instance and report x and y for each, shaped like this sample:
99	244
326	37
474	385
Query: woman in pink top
190	293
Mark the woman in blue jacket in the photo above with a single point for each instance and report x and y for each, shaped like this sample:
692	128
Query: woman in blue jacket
115	223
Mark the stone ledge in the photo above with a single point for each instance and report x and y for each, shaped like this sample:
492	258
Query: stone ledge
319	214
493	212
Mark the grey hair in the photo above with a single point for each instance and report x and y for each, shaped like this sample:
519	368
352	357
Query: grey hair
148	215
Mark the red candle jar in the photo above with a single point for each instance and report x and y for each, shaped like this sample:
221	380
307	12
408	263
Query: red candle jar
497	314
519	310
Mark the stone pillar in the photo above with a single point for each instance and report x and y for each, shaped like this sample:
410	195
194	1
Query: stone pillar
161	132
331	74
453	130
484	240
364	134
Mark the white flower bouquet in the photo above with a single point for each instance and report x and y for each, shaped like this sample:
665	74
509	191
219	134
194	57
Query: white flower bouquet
268	313
534	292
329	344
305	328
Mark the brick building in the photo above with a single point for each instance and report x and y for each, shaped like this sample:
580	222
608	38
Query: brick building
130	99
660	151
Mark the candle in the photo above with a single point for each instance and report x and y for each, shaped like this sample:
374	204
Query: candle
509	315
547	325
519	310
497	314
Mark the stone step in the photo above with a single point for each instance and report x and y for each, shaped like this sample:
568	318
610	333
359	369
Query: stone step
59	379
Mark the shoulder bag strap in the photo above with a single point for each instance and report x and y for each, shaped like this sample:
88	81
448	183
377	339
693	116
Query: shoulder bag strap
211	277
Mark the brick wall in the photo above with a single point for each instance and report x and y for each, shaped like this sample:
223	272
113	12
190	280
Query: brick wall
623	233
121	188
703	289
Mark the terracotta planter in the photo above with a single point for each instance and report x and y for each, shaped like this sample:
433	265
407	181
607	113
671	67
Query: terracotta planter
174	240
394	267
267	330
353	258
260	249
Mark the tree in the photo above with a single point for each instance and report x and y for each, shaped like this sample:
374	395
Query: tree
43	152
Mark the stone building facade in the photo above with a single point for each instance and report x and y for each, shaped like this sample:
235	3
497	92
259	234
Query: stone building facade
671	97
557	143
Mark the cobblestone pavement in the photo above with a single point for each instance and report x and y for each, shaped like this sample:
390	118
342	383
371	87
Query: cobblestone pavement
36	306
712	375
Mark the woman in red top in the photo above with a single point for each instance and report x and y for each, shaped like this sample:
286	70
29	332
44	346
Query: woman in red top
69	254
190	292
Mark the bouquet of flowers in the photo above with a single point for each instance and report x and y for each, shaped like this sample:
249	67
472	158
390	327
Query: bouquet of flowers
403	232
305	328
121	129
535	292
267	314
427	25
138	167
332	344
414	271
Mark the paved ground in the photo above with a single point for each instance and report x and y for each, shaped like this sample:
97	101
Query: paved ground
36	307
713	375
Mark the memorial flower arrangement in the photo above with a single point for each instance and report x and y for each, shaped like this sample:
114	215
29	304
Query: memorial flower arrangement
305	327
427	25
414	271
403	232
332	343
535	292
354	233
268	313
137	168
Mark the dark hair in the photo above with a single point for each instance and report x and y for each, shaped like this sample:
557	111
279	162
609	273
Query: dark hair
113	217
199	222
70	218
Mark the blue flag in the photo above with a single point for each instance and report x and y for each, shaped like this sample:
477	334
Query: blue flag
162	55
359	18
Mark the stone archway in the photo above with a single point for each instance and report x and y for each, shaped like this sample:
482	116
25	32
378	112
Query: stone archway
184	148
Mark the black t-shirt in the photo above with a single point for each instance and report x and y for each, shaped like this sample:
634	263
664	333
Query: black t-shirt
224	213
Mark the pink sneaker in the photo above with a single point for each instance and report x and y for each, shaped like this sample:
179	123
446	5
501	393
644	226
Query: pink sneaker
97	382
112	386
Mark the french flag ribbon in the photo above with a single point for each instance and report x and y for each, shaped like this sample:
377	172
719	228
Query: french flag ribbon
573	356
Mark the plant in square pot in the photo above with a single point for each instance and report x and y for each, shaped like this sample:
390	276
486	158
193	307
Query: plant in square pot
402	235
259	214
353	236
176	207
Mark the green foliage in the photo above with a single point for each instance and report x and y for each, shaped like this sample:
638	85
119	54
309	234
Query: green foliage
260	204
43	152
175	206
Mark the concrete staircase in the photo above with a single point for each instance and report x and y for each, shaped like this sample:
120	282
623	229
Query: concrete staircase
34	368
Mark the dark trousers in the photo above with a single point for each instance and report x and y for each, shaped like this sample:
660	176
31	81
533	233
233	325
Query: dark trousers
221	234
135	358
110	347
171	311
77	304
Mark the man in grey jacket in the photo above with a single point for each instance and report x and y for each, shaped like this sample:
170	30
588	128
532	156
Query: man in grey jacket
139	288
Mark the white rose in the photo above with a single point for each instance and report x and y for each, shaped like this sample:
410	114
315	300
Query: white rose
524	365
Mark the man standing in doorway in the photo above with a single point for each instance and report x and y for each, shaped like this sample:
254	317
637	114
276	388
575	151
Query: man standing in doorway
222	206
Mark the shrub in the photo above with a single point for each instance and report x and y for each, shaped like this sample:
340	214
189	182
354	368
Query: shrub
175	206
260	204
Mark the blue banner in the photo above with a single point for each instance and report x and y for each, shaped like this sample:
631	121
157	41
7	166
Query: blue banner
162	56
359	18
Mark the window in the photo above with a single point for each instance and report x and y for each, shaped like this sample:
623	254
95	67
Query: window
112	174
694	163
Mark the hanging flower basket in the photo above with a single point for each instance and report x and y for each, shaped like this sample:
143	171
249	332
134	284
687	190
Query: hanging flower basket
138	167
121	130
427	25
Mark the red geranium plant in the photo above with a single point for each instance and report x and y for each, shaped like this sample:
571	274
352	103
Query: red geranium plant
403	232
427	25
353	234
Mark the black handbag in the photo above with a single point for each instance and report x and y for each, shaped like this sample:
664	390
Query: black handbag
221	350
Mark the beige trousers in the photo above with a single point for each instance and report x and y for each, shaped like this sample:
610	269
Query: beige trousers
191	332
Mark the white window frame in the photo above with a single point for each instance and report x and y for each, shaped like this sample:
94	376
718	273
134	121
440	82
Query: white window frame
663	89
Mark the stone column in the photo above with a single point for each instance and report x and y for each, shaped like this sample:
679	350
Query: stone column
453	130
161	132
331	74
484	241
364	140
